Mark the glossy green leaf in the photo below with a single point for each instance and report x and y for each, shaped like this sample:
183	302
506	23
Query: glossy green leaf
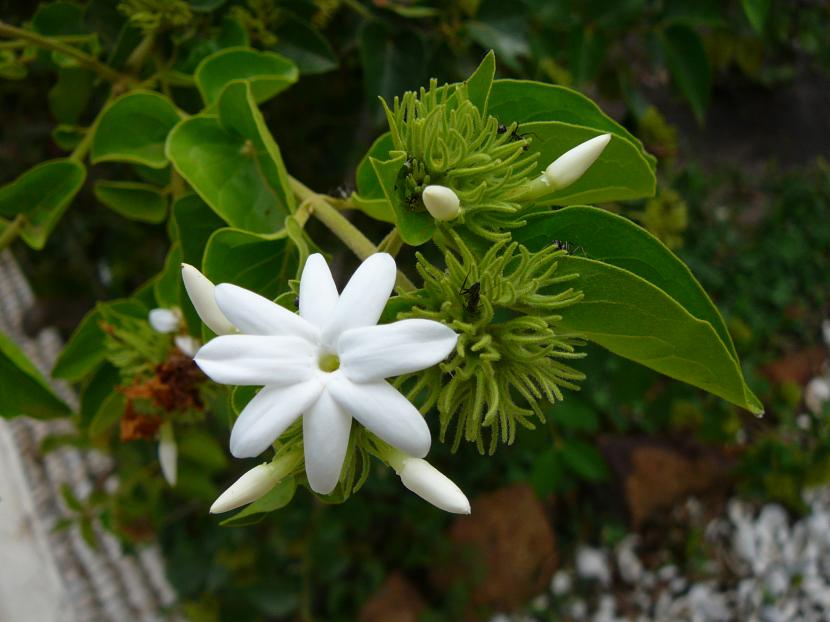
261	263
503	27
69	97
303	44
23	389
196	222
415	228
688	63
370	197
481	81
67	137
278	497
42	194
133	129
601	235
97	391
621	172
233	163
268	73
634	319
524	101
132	200
108	414
85	349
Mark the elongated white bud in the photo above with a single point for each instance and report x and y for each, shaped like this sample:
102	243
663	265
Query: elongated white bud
430	484
168	453
441	202
165	320
250	487
200	289
571	165
187	344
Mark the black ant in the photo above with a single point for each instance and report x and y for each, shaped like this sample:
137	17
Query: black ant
564	245
514	135
472	294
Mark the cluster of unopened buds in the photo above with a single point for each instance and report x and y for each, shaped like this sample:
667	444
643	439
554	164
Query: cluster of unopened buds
443	203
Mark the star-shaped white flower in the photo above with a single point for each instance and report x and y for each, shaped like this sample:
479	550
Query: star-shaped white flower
328	364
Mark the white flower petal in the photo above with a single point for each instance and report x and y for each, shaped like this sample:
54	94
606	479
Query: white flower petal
383	411
326	428
164	320
269	414
363	298
430	484
257	360
200	290
318	293
378	352
256	315
168	453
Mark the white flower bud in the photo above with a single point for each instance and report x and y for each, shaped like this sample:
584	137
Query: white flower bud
441	202
200	289
571	165
168	453
250	487
816	394
165	320
187	344
430	484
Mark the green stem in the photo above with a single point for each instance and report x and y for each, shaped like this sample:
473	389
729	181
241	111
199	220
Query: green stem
340	226
11	231
51	43
14	45
392	243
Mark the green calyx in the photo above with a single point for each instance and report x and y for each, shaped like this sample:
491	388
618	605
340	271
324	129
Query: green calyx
508	363
448	141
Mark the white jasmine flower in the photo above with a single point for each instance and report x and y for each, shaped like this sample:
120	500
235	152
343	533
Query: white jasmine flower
572	164
592	564
255	483
429	483
329	364
168	453
561	583
165	320
201	292
441	202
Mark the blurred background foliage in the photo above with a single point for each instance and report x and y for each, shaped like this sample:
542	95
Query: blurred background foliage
731	96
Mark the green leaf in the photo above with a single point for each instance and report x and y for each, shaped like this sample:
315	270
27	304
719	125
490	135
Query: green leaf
689	66
621	172
634	319
85	349
97	391
481	81
303	44
168	285
370	197
585	460
268	73
757	12
23	389
42	194
523	101
132	200
233	163
70	95
261	263
502	27
195	223
67	137
574	414
615	240
202	448
415	228
59	18
133	129
110	412
279	496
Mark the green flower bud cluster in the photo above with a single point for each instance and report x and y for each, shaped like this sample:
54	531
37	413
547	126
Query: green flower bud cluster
153	15
449	142
508	366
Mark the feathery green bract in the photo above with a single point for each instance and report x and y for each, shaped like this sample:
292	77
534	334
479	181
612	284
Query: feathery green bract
508	364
